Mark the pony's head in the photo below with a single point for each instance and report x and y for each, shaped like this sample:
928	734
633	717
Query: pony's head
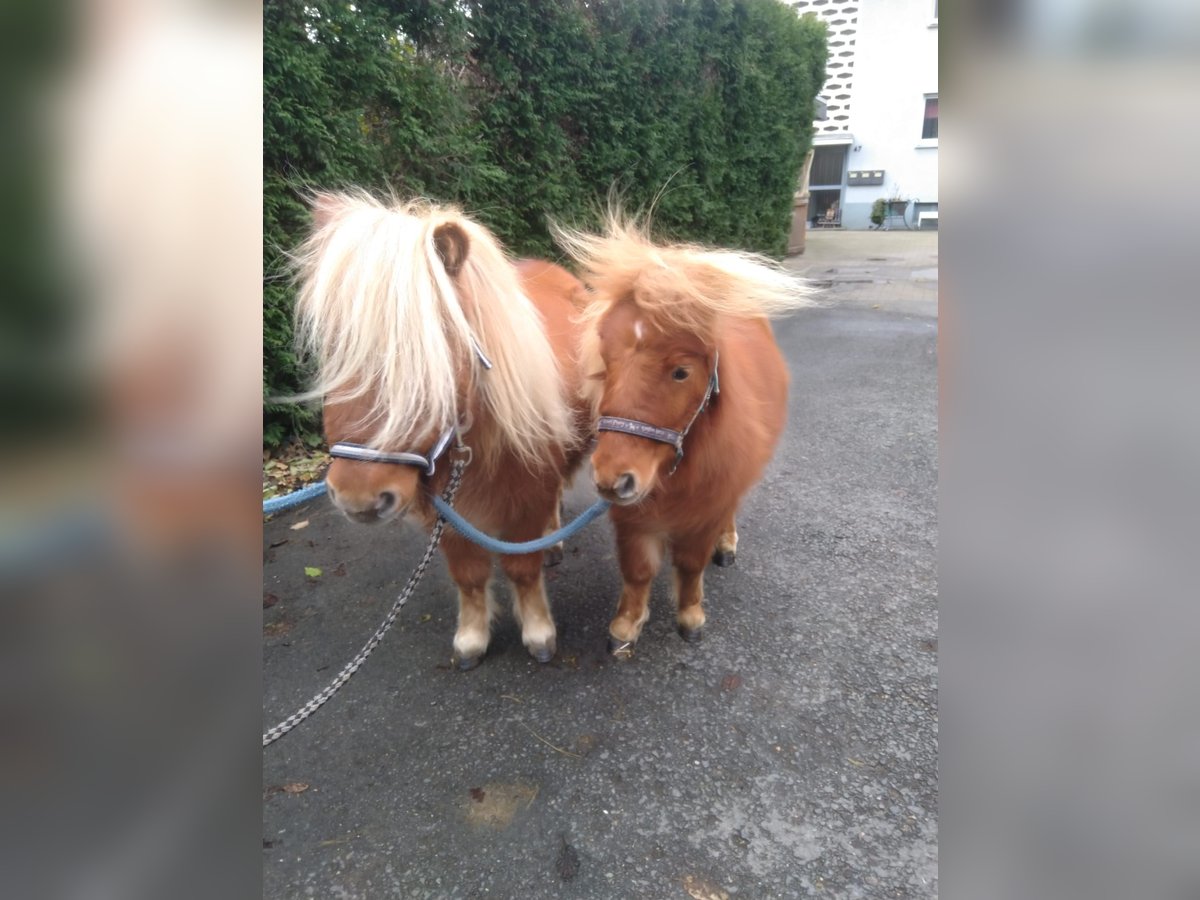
404	306
651	354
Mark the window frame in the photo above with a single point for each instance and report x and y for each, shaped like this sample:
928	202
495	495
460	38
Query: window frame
930	140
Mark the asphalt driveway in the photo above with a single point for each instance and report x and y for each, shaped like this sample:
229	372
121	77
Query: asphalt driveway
793	752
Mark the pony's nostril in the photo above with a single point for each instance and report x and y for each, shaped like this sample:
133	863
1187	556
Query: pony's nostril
625	486
385	502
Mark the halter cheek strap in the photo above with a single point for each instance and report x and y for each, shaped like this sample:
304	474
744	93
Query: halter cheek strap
641	429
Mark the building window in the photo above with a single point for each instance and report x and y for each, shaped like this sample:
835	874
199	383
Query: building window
935	5
929	130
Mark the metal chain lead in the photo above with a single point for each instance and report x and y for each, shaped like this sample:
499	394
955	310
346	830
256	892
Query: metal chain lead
353	666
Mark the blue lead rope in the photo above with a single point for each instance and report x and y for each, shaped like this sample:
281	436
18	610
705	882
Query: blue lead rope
487	542
461	525
287	501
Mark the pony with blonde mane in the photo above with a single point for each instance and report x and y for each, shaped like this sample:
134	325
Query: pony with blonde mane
421	328
691	390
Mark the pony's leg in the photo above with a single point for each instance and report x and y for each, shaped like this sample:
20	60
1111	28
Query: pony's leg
471	569
689	557
554	555
726	552
640	556
532	608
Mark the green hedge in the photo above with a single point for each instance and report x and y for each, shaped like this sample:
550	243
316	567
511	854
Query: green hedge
520	109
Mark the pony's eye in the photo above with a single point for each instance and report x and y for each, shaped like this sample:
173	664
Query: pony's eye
680	374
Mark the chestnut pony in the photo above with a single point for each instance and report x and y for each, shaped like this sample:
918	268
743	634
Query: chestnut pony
426	334
691	391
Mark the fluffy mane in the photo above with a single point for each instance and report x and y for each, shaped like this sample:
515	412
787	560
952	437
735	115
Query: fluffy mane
383	318
679	285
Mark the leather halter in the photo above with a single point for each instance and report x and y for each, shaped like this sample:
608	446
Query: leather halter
641	429
426	461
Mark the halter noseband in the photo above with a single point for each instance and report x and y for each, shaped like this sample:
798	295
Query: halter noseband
426	461
670	436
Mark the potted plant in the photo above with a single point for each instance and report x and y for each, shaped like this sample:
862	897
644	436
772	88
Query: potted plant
878	211
883	209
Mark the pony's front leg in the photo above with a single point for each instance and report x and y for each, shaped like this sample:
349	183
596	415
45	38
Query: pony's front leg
689	555
640	556
471	569
532	607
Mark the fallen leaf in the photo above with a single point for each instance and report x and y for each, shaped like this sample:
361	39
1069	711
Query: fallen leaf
477	794
269	600
300	525
567	863
278	543
702	889
340	570
295	787
312	571
275	629
500	803
731	682
425	617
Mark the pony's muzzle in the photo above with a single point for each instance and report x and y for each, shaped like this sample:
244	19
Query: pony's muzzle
623	490
366	509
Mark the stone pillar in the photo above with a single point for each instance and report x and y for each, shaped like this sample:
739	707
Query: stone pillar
799	223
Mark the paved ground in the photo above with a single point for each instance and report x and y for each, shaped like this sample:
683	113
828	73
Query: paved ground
892	271
792	753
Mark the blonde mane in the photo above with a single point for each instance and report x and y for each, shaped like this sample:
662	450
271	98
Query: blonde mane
384	319
678	285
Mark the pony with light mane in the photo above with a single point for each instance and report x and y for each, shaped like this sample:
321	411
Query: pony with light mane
691	391
426	333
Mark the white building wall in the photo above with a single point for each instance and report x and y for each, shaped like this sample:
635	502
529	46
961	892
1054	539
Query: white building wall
896	67
883	62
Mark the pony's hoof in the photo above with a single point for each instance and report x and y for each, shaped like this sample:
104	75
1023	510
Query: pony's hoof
467	663
620	649
544	653
553	556
724	558
691	635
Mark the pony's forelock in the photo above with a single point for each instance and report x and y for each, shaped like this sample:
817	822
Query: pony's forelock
381	316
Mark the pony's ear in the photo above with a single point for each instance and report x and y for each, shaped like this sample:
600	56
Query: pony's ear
451	243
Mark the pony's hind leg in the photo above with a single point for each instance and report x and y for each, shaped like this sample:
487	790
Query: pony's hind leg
471	569
726	552
640	556
554	555
532	607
